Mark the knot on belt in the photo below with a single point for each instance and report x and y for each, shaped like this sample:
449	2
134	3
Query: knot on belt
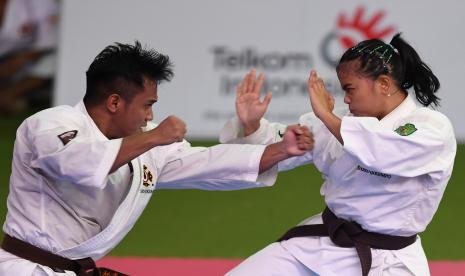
346	233
341	232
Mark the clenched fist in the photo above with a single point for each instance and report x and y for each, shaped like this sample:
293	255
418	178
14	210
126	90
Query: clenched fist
297	140
170	130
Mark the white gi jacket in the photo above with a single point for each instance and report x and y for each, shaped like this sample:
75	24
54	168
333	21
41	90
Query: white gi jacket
388	181
63	200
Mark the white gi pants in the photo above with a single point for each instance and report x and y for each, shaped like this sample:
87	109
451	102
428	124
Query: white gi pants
271	260
275	260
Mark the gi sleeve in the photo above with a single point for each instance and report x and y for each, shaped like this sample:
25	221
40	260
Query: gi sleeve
220	167
422	145
266	134
70	153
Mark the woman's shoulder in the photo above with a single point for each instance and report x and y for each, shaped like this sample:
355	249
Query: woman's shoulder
428	115
430	119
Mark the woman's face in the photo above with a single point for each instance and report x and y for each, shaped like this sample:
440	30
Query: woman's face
361	93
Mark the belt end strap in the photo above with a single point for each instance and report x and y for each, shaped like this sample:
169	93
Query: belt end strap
82	267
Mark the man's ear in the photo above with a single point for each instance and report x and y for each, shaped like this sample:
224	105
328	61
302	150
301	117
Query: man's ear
114	103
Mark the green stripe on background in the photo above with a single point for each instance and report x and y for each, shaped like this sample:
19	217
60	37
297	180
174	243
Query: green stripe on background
189	223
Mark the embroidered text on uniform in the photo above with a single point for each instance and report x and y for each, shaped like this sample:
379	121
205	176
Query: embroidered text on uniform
373	172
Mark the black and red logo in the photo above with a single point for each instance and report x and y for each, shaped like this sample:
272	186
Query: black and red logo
67	136
351	30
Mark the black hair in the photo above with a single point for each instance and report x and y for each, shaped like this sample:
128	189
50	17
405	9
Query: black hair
398	60
121	67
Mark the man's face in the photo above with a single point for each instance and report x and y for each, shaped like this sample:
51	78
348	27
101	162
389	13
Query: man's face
137	112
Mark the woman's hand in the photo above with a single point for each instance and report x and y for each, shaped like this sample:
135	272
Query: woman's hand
323	104
249	108
321	100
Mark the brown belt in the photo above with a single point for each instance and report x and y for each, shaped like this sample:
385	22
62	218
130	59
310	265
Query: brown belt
350	234
82	267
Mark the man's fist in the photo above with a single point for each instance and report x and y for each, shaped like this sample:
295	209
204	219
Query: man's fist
297	140
170	130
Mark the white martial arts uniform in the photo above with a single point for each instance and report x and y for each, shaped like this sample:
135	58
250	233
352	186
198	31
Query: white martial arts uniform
387	182
63	200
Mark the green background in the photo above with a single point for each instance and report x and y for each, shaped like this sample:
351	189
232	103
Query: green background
191	223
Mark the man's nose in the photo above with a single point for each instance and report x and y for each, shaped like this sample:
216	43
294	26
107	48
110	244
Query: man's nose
149	116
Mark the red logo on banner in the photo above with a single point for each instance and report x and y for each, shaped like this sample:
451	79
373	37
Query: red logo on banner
368	28
351	30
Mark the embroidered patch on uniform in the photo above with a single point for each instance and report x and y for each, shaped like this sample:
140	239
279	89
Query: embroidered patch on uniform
406	129
280	134
67	136
148	177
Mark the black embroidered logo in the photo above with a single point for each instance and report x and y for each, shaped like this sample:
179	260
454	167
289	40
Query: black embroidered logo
148	177
280	134
67	136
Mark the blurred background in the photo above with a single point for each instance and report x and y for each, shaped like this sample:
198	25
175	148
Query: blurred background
47	45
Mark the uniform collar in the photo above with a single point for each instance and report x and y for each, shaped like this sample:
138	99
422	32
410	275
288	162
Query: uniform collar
406	107
82	108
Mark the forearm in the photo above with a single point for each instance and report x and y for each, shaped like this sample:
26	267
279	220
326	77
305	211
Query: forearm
133	146
273	154
170	130
333	123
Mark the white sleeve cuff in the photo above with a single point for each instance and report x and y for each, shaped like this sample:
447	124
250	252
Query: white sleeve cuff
232	133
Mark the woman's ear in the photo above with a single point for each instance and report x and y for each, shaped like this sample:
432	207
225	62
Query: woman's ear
384	84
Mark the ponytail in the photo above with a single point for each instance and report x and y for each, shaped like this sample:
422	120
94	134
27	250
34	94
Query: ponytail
412	71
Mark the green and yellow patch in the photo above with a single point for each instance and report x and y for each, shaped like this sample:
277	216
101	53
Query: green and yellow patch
406	129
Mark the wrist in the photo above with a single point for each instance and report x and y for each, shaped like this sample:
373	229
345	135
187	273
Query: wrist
273	154
154	138
325	116
281	150
250	128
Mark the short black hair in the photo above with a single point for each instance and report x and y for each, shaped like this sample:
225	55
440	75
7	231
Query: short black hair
120	67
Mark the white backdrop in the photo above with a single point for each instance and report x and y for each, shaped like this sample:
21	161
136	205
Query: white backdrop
213	43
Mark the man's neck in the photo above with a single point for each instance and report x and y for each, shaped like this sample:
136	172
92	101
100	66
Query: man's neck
101	119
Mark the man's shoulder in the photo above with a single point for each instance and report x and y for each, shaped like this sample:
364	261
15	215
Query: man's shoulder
54	111
54	116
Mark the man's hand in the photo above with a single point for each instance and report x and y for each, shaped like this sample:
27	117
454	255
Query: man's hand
170	130
321	100
297	140
249	108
